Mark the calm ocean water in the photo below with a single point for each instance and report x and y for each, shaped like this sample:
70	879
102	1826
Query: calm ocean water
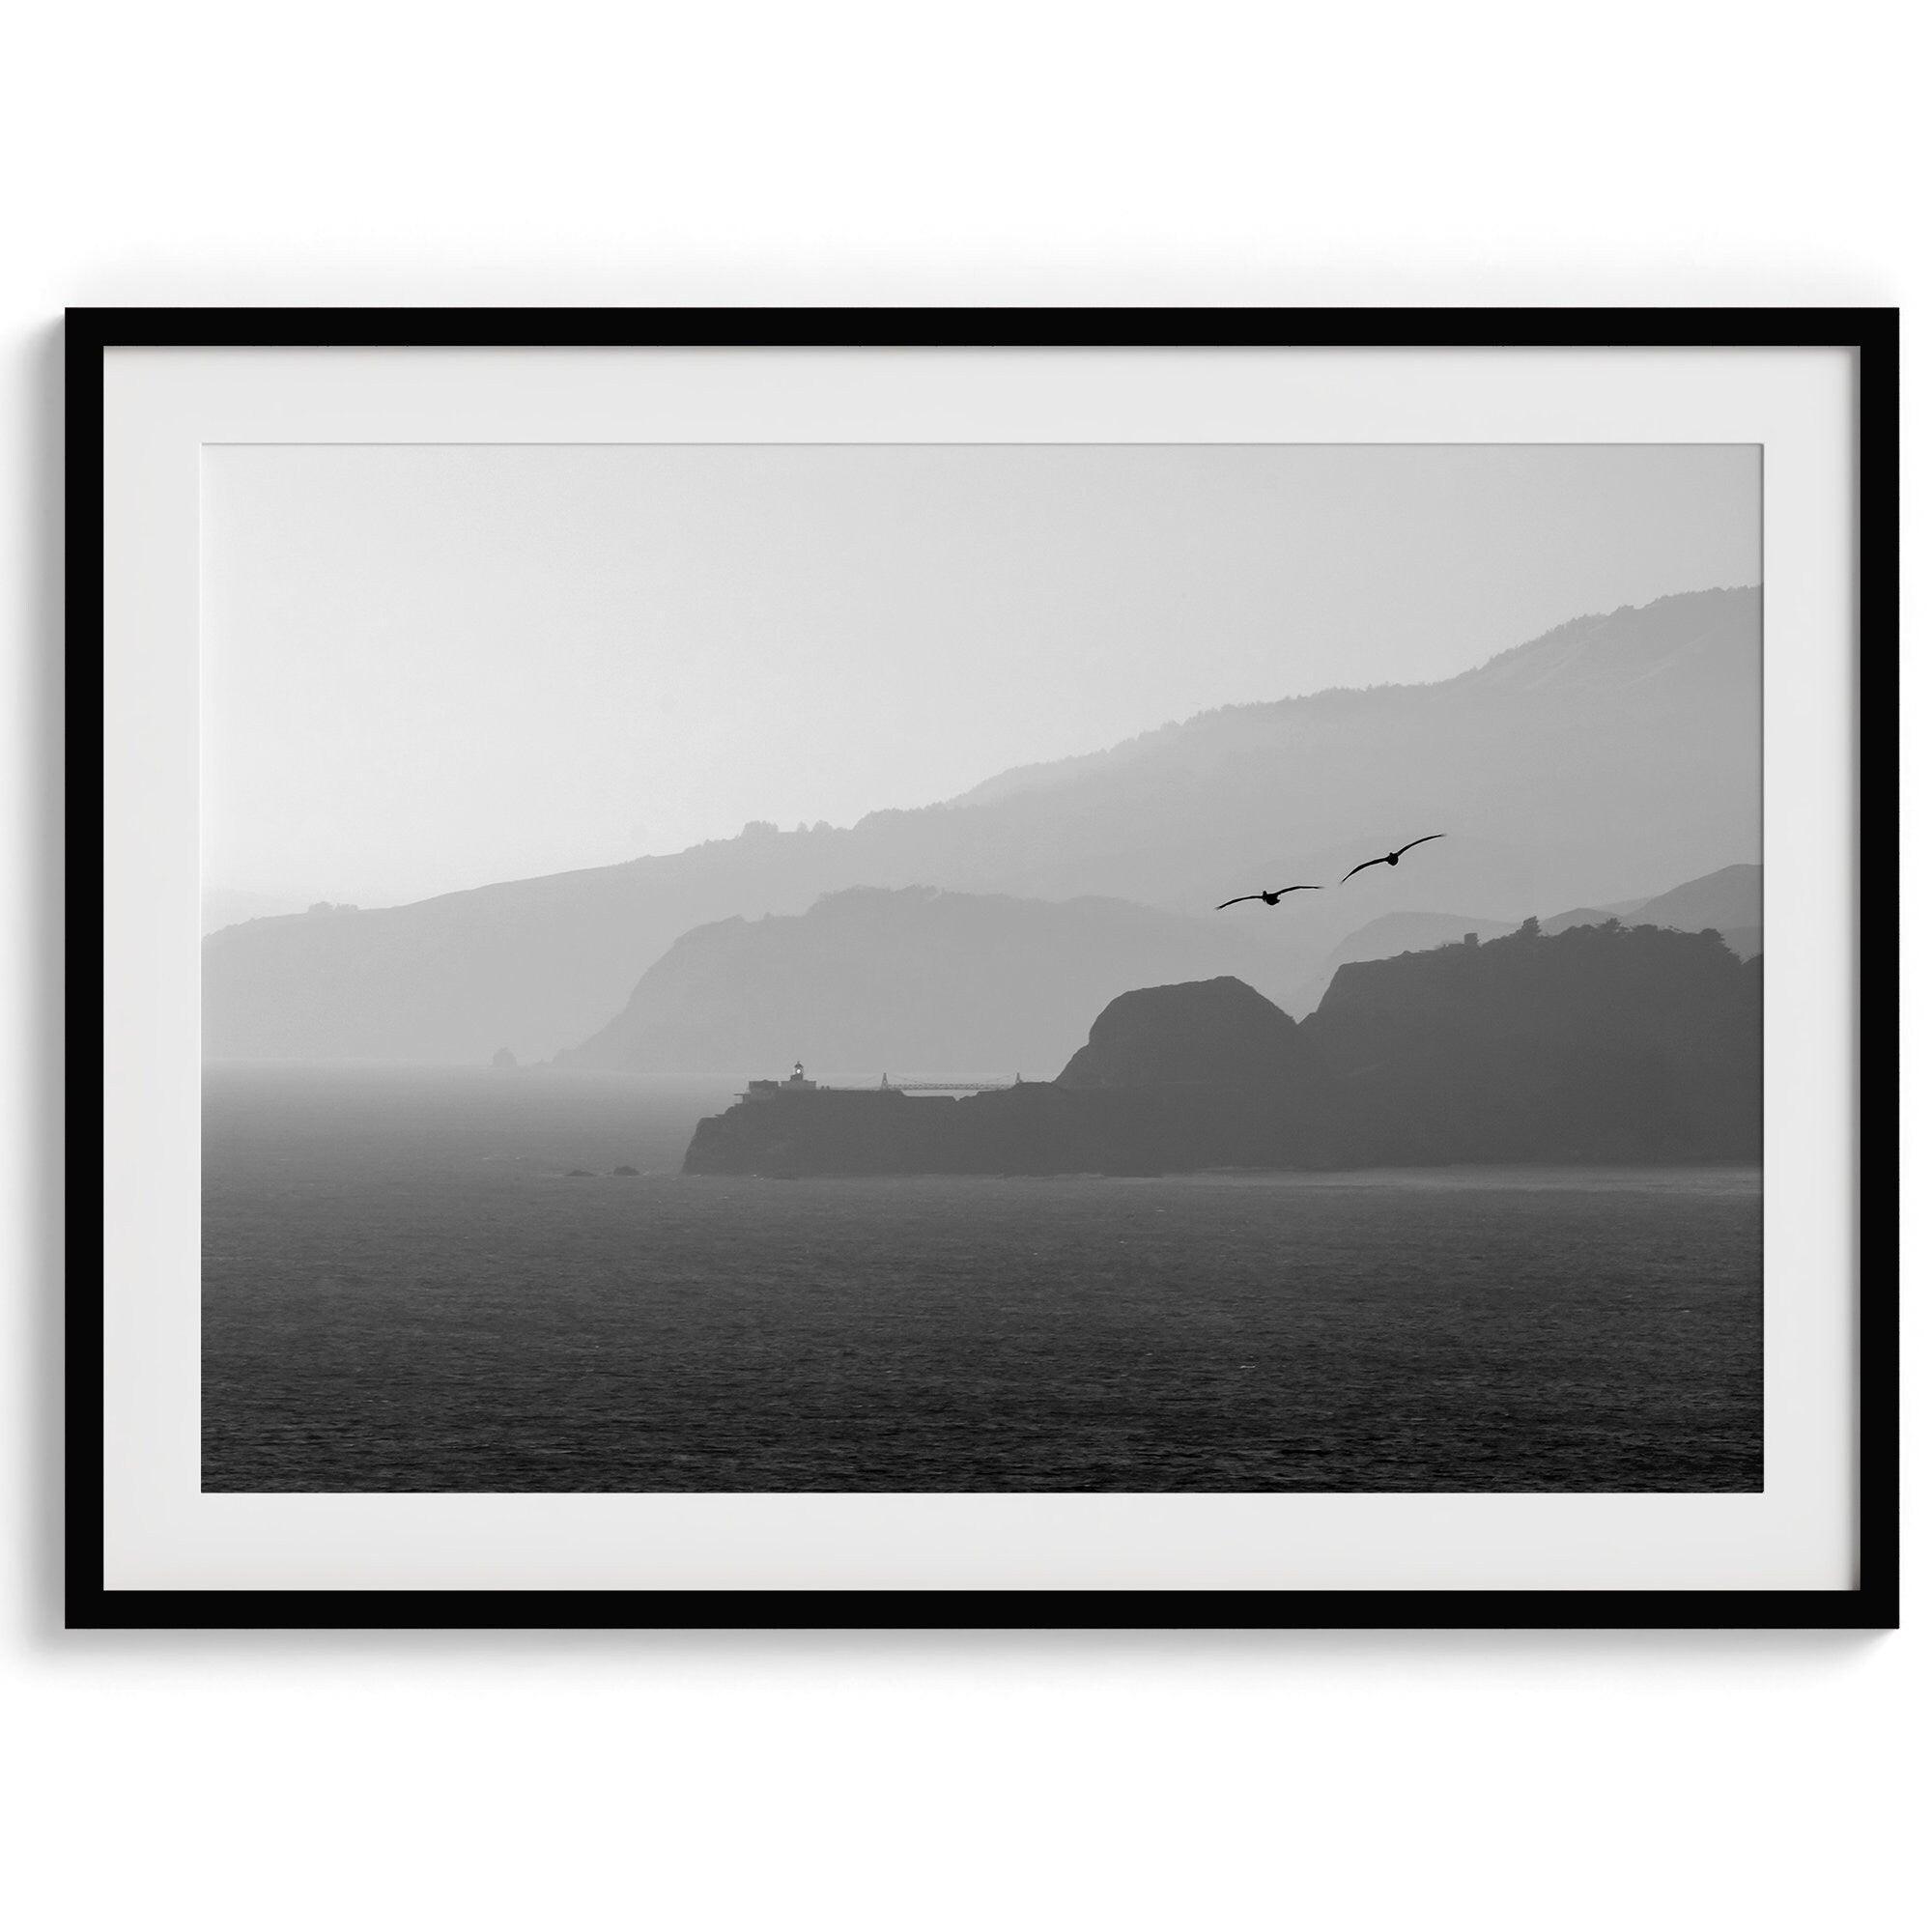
402	1289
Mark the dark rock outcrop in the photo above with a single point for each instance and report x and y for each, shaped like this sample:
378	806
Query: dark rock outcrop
1215	1033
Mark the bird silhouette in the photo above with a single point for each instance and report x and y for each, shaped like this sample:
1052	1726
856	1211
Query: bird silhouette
1268	899
1391	857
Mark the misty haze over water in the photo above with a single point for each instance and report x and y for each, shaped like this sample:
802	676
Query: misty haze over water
404	1288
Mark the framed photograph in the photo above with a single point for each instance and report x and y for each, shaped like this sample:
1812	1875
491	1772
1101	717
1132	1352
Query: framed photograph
983	967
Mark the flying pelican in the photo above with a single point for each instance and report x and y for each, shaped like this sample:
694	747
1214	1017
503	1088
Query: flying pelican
1268	899
1391	857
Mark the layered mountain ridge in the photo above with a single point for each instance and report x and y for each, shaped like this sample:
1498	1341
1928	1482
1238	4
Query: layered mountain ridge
1579	768
912	980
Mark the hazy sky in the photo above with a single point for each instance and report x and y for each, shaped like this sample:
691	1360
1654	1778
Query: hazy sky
429	668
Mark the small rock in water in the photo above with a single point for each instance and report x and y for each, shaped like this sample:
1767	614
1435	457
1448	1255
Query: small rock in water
629	1172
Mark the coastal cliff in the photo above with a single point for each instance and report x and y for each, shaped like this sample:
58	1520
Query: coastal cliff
1601	1043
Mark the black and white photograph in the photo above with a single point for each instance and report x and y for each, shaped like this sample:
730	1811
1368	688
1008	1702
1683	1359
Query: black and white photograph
981	968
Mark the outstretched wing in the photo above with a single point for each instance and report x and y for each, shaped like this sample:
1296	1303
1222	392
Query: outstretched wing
1414	843
1362	868
1226	903
1300	889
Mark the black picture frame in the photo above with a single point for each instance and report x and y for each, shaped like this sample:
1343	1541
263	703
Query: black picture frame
1871	332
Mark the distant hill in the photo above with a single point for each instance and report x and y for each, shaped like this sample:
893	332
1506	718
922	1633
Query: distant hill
1730	900
1562	922
1383	938
1603	1043
1584	765
221	907
911	982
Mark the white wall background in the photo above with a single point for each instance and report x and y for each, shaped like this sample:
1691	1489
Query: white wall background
397	152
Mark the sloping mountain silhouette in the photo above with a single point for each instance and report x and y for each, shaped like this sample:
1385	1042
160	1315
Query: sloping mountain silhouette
1582	766
871	981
